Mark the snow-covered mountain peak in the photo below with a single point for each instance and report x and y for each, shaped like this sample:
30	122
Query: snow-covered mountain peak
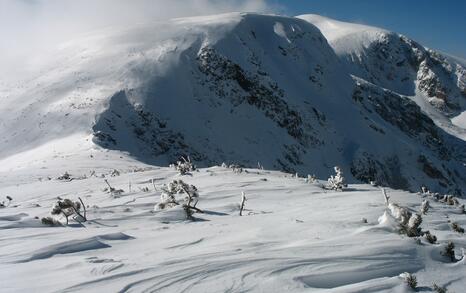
240	88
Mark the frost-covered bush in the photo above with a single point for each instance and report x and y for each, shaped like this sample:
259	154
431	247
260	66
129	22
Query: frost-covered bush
7	204
311	178
65	177
425	206
115	173
66	208
409	223
401	214
457	228
185	166
177	193
413	228
449	251
439	289
237	169
450	200
431	238
337	182
410	280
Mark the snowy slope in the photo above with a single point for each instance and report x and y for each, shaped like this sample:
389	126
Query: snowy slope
240	88
293	237
435	81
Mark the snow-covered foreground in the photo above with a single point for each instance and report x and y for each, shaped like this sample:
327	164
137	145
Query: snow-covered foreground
293	236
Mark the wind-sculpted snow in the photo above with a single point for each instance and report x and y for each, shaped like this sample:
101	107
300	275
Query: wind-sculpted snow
293	236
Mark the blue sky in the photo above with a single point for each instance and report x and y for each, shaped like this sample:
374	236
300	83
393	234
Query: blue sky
433	23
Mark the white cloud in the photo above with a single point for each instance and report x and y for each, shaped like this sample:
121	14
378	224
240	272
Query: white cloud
29	28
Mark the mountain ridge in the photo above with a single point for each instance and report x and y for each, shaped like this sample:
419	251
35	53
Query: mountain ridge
240	88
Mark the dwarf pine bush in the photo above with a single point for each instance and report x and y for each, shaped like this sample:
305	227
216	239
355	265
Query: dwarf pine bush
410	280
413	228
7	204
185	166
439	289
431	238
449	251
425	206
457	228
177	193
337	182
66	208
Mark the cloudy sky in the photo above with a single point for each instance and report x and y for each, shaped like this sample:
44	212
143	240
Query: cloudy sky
30	28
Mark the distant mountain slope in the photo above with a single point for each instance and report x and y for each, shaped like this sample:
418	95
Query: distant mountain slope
242	88
437	82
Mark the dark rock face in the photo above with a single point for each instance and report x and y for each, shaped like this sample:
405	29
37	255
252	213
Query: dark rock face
219	73
399	64
127	127
405	115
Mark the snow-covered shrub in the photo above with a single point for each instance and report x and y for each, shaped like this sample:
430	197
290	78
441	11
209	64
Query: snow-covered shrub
144	189
413	228
236	168
449	251
410	280
66	208
457	228
337	182
311	178
401	214
409	223
65	177
424	190
450	200
50	221
431	238
115	173
7	204
425	206
170	197
439	289
185	166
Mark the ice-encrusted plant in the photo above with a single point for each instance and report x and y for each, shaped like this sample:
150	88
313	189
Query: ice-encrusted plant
449	251
337	182
7	204
425	206
184	166
410	280
177	193
457	228
431	238
66	208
